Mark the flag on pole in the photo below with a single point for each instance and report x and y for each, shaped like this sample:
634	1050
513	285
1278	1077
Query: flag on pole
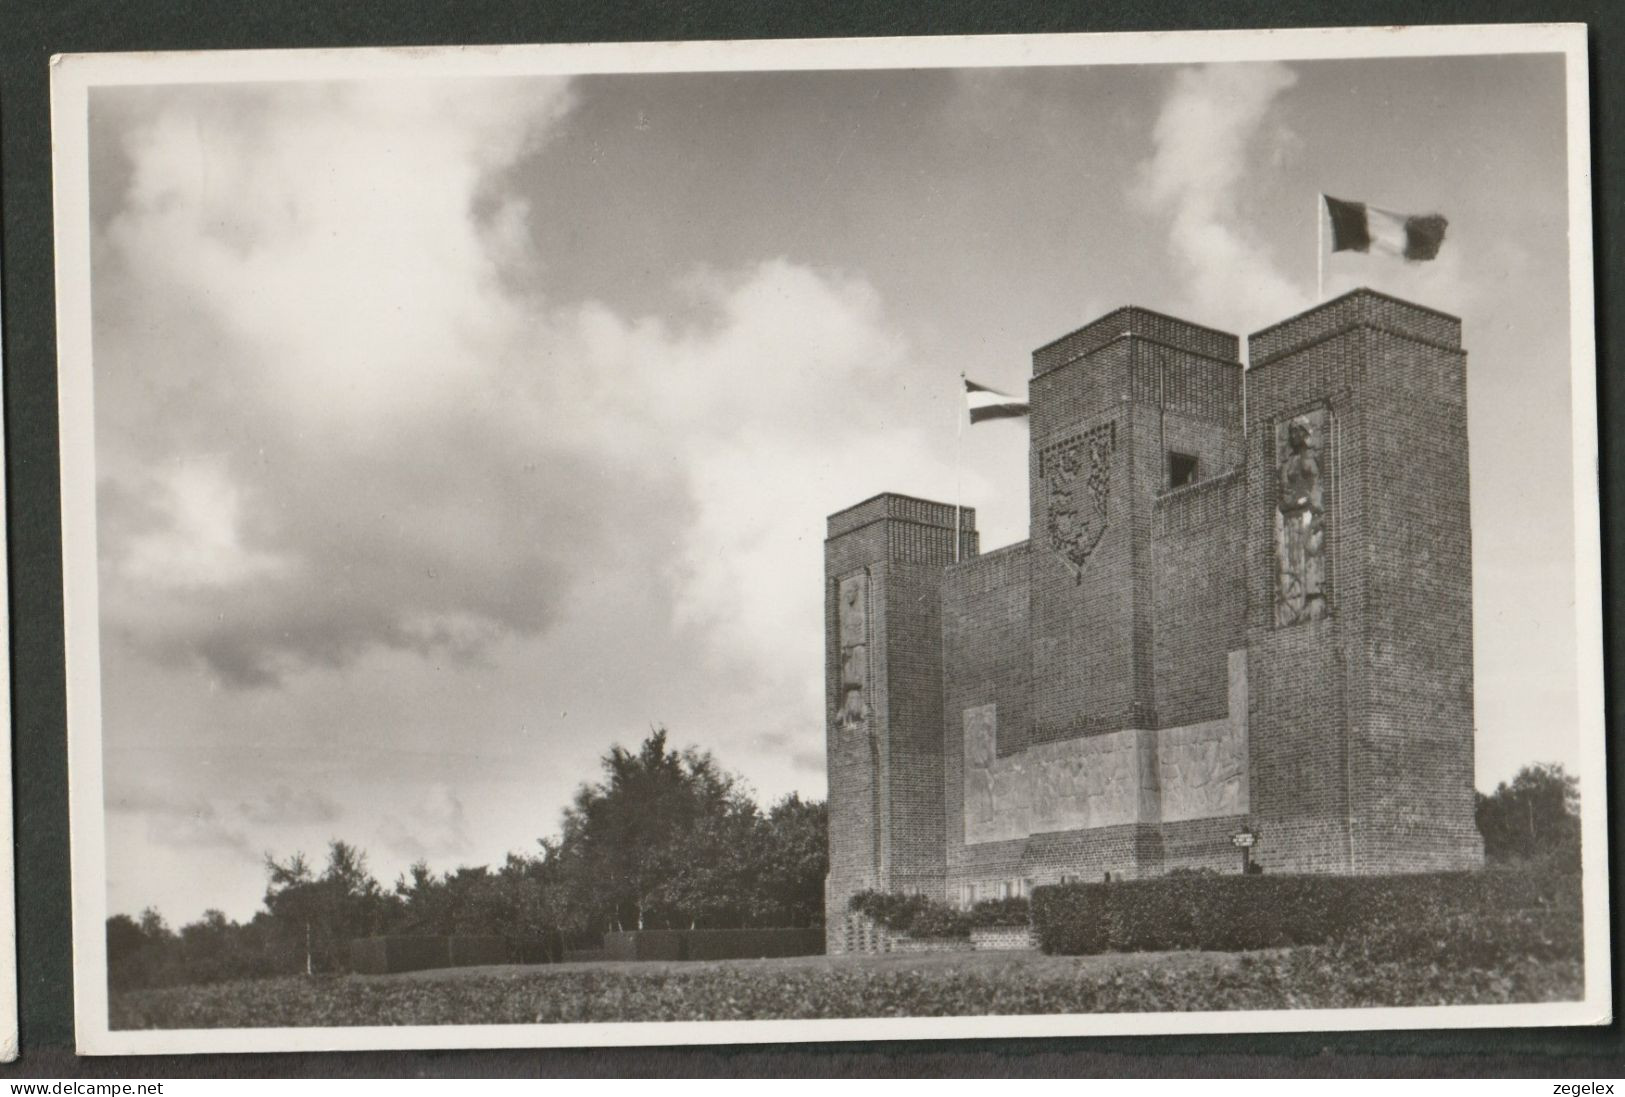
1359	227
986	403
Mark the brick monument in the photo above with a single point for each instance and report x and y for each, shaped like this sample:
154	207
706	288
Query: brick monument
1242	610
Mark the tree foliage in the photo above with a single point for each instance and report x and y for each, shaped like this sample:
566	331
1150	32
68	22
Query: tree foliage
667	839
664	838
1535	816
325	911
147	953
792	862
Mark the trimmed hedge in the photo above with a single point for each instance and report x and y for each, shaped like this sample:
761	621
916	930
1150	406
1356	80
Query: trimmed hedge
1318	977
921	917
645	944
892	911
387	955
584	955
750	944
711	944
478	951
937	920
1237	913
1015	911
547	949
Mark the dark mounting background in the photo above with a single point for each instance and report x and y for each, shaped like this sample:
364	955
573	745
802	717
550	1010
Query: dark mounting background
35	29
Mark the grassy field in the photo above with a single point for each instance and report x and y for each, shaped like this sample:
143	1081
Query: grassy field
928	985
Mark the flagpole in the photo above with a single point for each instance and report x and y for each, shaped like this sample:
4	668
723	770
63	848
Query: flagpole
959	447
1320	252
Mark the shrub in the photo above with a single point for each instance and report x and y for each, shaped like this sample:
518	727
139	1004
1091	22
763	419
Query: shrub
706	944
1520	916
937	920
387	955
731	944
1319	977
892	911
480	951
545	949
584	955
646	944
1235	913
1015	911
915	915
369	956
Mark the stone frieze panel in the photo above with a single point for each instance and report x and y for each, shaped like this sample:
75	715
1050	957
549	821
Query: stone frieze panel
1133	776
1099	781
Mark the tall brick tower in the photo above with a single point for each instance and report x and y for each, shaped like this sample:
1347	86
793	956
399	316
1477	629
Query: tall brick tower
1359	625
1113	403
884	562
1242	620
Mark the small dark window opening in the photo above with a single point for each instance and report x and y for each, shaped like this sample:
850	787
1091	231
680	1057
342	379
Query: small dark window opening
1181	470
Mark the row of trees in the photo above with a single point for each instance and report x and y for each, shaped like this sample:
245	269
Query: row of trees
666	839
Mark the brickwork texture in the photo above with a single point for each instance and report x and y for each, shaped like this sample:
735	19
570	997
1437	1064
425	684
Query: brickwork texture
1146	603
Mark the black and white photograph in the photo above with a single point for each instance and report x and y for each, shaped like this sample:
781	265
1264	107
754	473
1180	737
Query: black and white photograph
729	542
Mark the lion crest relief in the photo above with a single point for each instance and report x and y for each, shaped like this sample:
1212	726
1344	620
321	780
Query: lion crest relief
1077	478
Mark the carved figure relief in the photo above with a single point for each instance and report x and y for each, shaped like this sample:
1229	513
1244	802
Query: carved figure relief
981	799
1203	770
1070	785
1300	519
1077	476
1196	771
852	615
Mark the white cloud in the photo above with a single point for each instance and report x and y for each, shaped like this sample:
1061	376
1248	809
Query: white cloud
779	411
180	819
333	418
339	429
1210	138
305	326
335	232
437	825
195	538
285	806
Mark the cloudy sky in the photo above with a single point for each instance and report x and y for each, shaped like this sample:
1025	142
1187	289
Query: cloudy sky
450	431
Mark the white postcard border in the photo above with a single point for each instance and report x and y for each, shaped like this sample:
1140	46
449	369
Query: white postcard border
73	76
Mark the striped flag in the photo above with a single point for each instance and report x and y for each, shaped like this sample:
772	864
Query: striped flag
1359	227
986	403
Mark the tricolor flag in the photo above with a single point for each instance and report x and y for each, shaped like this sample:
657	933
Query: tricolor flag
986	403
1359	227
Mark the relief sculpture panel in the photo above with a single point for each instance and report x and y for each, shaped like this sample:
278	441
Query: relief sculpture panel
1133	776
1300	518
1202	768
852	616
1077	481
1103	780
981	804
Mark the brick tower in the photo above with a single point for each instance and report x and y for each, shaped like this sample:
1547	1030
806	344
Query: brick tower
1244	609
1360	590
884	561
1113	404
